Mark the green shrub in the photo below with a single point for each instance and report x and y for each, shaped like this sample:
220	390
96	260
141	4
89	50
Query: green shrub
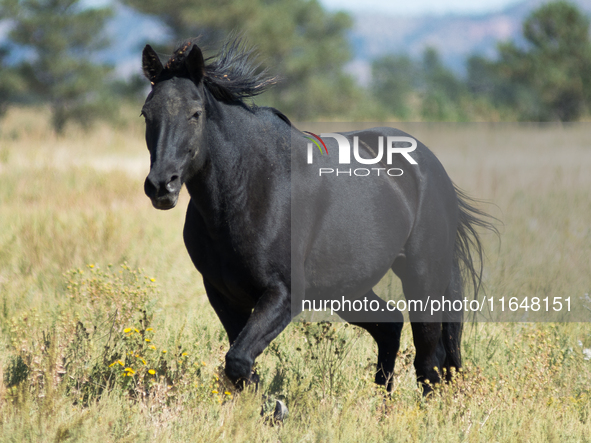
101	339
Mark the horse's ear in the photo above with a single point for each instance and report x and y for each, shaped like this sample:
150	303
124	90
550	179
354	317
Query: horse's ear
151	64
195	64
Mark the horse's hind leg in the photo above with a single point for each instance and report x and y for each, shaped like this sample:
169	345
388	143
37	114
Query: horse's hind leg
452	326
427	337
422	282
387	337
385	327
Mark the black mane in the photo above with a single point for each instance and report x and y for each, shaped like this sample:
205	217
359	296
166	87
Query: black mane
230	75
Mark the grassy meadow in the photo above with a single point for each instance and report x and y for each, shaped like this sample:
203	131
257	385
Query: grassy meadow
107	335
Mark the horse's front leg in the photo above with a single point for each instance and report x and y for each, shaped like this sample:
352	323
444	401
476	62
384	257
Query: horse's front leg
270	316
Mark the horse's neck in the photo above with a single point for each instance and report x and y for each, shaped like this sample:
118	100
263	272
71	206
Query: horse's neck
220	190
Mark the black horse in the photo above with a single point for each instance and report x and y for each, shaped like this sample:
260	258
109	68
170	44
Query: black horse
259	249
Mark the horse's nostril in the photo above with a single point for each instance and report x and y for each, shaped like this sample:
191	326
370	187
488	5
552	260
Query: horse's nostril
172	184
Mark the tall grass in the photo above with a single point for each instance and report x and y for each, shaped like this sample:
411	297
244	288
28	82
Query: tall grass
95	285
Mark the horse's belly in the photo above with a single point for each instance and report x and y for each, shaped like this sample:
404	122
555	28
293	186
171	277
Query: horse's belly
352	246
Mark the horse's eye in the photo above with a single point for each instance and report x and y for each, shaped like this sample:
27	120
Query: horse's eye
196	115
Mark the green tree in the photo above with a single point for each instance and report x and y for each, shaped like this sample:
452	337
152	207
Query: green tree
394	79
427	88
62	37
297	39
11	83
551	77
442	91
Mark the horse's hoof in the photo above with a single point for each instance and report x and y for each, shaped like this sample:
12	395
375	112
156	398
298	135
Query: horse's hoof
243	383
281	411
279	414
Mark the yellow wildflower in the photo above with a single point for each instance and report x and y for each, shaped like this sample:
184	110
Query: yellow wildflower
151	371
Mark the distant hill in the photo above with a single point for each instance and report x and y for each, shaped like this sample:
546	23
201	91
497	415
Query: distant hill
454	36
373	35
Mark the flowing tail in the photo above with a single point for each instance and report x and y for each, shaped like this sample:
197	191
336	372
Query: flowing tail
467	266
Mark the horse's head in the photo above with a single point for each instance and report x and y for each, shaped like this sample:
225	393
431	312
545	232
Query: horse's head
174	121
184	92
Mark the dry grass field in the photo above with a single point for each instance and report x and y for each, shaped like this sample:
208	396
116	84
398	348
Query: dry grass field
107	335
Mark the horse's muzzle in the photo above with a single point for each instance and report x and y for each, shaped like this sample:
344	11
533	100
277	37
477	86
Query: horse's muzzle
163	193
